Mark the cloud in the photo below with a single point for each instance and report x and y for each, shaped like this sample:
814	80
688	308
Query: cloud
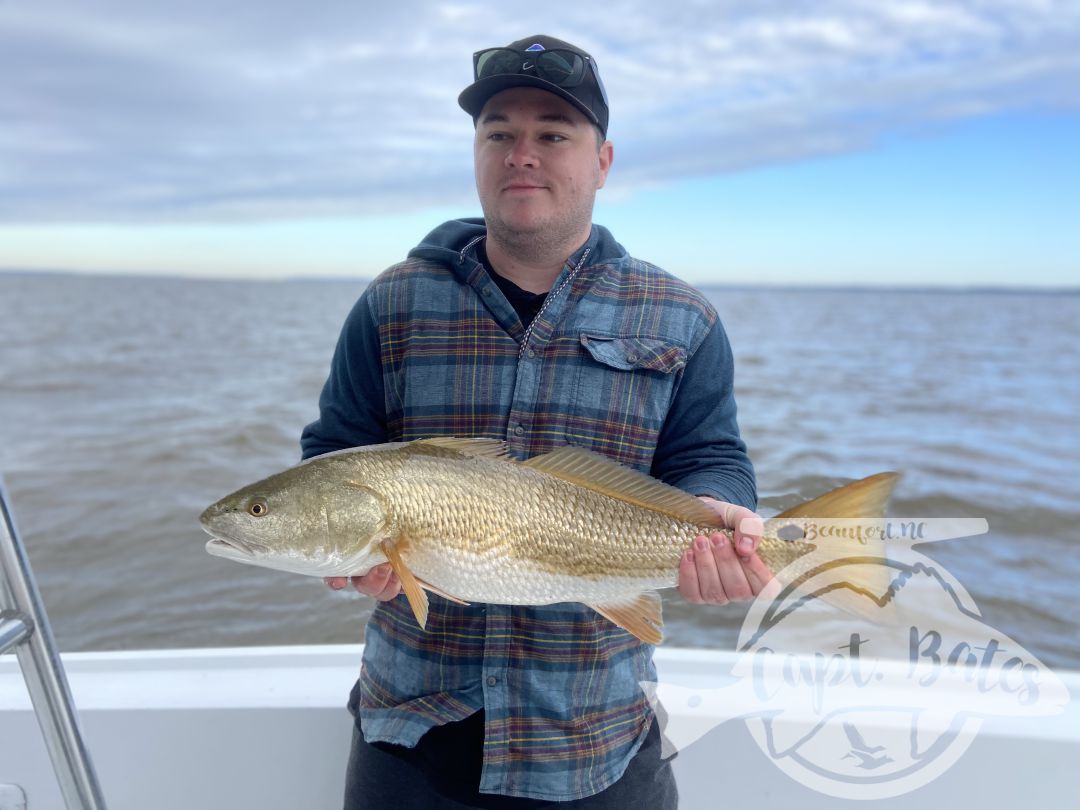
264	110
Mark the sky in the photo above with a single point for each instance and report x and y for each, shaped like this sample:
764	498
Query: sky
883	142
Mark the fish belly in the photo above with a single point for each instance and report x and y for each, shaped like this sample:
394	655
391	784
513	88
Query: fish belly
498	580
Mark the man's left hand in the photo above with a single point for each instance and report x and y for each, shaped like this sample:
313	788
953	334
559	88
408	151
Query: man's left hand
714	571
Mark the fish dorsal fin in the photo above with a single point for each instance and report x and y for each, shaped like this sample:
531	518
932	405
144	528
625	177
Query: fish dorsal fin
466	447
600	474
639	615
865	498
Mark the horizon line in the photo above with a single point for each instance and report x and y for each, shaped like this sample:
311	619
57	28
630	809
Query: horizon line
804	286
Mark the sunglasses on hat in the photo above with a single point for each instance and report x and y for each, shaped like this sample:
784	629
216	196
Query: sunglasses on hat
560	67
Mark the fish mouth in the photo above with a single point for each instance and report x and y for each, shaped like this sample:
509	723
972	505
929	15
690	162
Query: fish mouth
230	548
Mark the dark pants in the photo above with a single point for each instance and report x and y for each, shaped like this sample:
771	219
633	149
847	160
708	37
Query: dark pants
443	773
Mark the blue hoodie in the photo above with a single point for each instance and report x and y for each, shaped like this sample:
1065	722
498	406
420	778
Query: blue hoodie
697	443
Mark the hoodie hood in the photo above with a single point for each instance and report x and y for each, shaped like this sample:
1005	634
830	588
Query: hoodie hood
454	243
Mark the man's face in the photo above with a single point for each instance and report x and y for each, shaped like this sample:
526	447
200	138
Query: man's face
537	166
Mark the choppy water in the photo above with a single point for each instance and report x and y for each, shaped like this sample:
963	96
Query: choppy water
129	404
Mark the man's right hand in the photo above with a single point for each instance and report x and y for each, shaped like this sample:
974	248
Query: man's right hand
380	582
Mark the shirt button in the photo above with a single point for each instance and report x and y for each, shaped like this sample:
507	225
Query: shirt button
492	680
631	358
531	352
519	431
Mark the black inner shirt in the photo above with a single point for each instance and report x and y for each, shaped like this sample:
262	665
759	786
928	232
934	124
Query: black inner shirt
526	304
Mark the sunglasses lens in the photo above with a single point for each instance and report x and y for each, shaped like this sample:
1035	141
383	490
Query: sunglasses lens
497	61
563	68
560	67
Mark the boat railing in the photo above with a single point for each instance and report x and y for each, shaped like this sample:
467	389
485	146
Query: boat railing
25	627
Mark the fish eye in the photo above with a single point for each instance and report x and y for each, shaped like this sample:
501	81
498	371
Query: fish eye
258	508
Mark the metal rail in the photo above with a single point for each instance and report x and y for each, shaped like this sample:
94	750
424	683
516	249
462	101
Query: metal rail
24	626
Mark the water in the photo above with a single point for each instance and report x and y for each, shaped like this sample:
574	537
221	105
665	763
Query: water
129	404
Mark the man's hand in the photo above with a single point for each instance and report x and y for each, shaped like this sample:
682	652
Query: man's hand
380	582
714	572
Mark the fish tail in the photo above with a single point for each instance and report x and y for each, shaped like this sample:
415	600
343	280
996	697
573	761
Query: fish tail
846	528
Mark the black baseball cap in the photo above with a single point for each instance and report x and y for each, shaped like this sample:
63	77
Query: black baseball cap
539	61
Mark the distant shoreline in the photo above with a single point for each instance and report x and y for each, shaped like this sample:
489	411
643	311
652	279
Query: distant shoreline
742	286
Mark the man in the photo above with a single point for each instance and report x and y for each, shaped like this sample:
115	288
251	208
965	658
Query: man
534	326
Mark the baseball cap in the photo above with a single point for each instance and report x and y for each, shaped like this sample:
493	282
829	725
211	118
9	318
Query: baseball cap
539	61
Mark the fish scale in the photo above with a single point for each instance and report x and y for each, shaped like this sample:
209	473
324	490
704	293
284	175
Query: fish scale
537	522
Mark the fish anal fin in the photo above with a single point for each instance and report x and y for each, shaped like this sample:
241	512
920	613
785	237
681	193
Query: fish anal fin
600	474
414	591
640	615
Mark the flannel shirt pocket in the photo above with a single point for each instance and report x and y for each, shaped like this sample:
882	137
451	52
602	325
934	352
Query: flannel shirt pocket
623	389
629	353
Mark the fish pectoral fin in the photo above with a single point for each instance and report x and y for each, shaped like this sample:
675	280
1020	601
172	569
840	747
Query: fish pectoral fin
640	615
414	591
427	586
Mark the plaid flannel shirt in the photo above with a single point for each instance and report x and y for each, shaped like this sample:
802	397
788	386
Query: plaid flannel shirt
625	360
